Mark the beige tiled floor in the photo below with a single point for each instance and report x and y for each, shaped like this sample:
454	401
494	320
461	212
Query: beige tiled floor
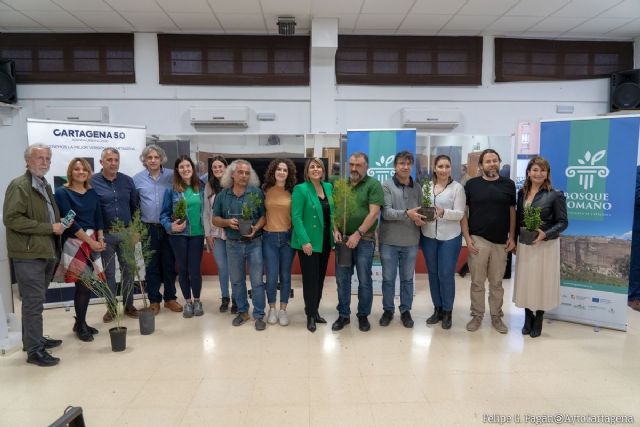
204	372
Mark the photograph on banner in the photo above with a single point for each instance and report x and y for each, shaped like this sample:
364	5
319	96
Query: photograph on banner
69	140
381	146
594	161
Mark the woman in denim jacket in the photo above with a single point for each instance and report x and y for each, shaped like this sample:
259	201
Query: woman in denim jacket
186	236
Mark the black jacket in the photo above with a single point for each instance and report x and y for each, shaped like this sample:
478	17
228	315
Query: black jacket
553	212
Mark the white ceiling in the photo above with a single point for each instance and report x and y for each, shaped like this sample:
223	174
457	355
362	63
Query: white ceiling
569	19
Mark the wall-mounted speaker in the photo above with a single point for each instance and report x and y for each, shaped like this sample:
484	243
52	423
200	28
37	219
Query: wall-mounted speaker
624	93
8	92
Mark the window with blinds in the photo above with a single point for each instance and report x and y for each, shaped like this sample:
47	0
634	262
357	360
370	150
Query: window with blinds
525	59
409	60
233	60
70	58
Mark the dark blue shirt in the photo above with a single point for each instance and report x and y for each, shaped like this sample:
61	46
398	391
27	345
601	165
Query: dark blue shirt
227	205
86	207
118	198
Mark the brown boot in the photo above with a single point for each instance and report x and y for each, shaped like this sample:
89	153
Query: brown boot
108	317
132	312
155	307
173	305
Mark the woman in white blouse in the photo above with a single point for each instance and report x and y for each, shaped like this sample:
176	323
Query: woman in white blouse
441	240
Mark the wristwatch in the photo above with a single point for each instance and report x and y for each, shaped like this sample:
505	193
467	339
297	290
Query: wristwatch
359	232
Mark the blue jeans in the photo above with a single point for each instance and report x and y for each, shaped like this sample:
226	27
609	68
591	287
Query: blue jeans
188	253
441	257
393	257
278	257
220	256
161	266
363	257
239	251
114	247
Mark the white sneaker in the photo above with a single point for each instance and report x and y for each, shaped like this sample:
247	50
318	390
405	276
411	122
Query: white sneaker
283	318
272	317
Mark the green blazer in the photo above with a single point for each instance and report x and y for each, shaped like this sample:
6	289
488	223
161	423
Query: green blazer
307	218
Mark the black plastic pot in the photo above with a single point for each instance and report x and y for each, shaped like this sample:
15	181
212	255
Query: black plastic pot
244	226
527	237
118	338
428	213
344	254
147	320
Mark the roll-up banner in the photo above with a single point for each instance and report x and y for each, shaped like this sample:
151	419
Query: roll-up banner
87	140
594	162
381	147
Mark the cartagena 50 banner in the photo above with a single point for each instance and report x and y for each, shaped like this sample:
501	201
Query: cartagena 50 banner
594	161
87	140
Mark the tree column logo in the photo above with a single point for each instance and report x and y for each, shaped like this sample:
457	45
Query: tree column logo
383	169
588	169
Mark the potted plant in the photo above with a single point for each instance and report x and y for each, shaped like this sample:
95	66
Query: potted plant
427	209
532	222
136	248
180	211
115	306
345	202
250	205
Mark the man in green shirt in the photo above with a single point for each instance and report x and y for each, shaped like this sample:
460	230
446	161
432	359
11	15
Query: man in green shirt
360	237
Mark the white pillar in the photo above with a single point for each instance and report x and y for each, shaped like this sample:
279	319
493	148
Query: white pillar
324	43
636	52
488	58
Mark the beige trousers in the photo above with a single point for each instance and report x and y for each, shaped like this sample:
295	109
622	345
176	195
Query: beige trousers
489	263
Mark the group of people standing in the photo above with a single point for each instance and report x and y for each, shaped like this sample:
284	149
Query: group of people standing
282	219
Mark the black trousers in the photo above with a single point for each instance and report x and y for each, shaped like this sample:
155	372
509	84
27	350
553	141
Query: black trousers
314	268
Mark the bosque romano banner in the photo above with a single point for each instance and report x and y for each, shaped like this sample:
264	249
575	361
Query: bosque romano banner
594	161
381	147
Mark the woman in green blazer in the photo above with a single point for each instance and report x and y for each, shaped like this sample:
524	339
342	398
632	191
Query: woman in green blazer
312	219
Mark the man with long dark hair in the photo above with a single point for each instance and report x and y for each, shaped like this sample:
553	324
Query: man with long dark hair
488	228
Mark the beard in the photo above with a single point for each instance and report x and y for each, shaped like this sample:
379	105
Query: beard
490	173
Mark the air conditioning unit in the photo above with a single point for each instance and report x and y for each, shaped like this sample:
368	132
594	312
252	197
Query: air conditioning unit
430	119
78	114
220	117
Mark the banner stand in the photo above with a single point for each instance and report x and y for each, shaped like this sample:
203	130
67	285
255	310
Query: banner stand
595	162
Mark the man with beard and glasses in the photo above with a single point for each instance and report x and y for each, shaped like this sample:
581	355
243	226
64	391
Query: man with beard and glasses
488	228
33	225
360	237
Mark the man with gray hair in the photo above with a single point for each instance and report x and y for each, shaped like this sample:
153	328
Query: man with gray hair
33	225
118	200
151	183
240	184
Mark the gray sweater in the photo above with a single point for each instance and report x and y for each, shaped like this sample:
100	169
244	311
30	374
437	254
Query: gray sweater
395	226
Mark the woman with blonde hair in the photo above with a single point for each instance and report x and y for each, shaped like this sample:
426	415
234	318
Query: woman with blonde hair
82	240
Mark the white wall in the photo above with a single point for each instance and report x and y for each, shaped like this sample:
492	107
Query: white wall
492	108
13	137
